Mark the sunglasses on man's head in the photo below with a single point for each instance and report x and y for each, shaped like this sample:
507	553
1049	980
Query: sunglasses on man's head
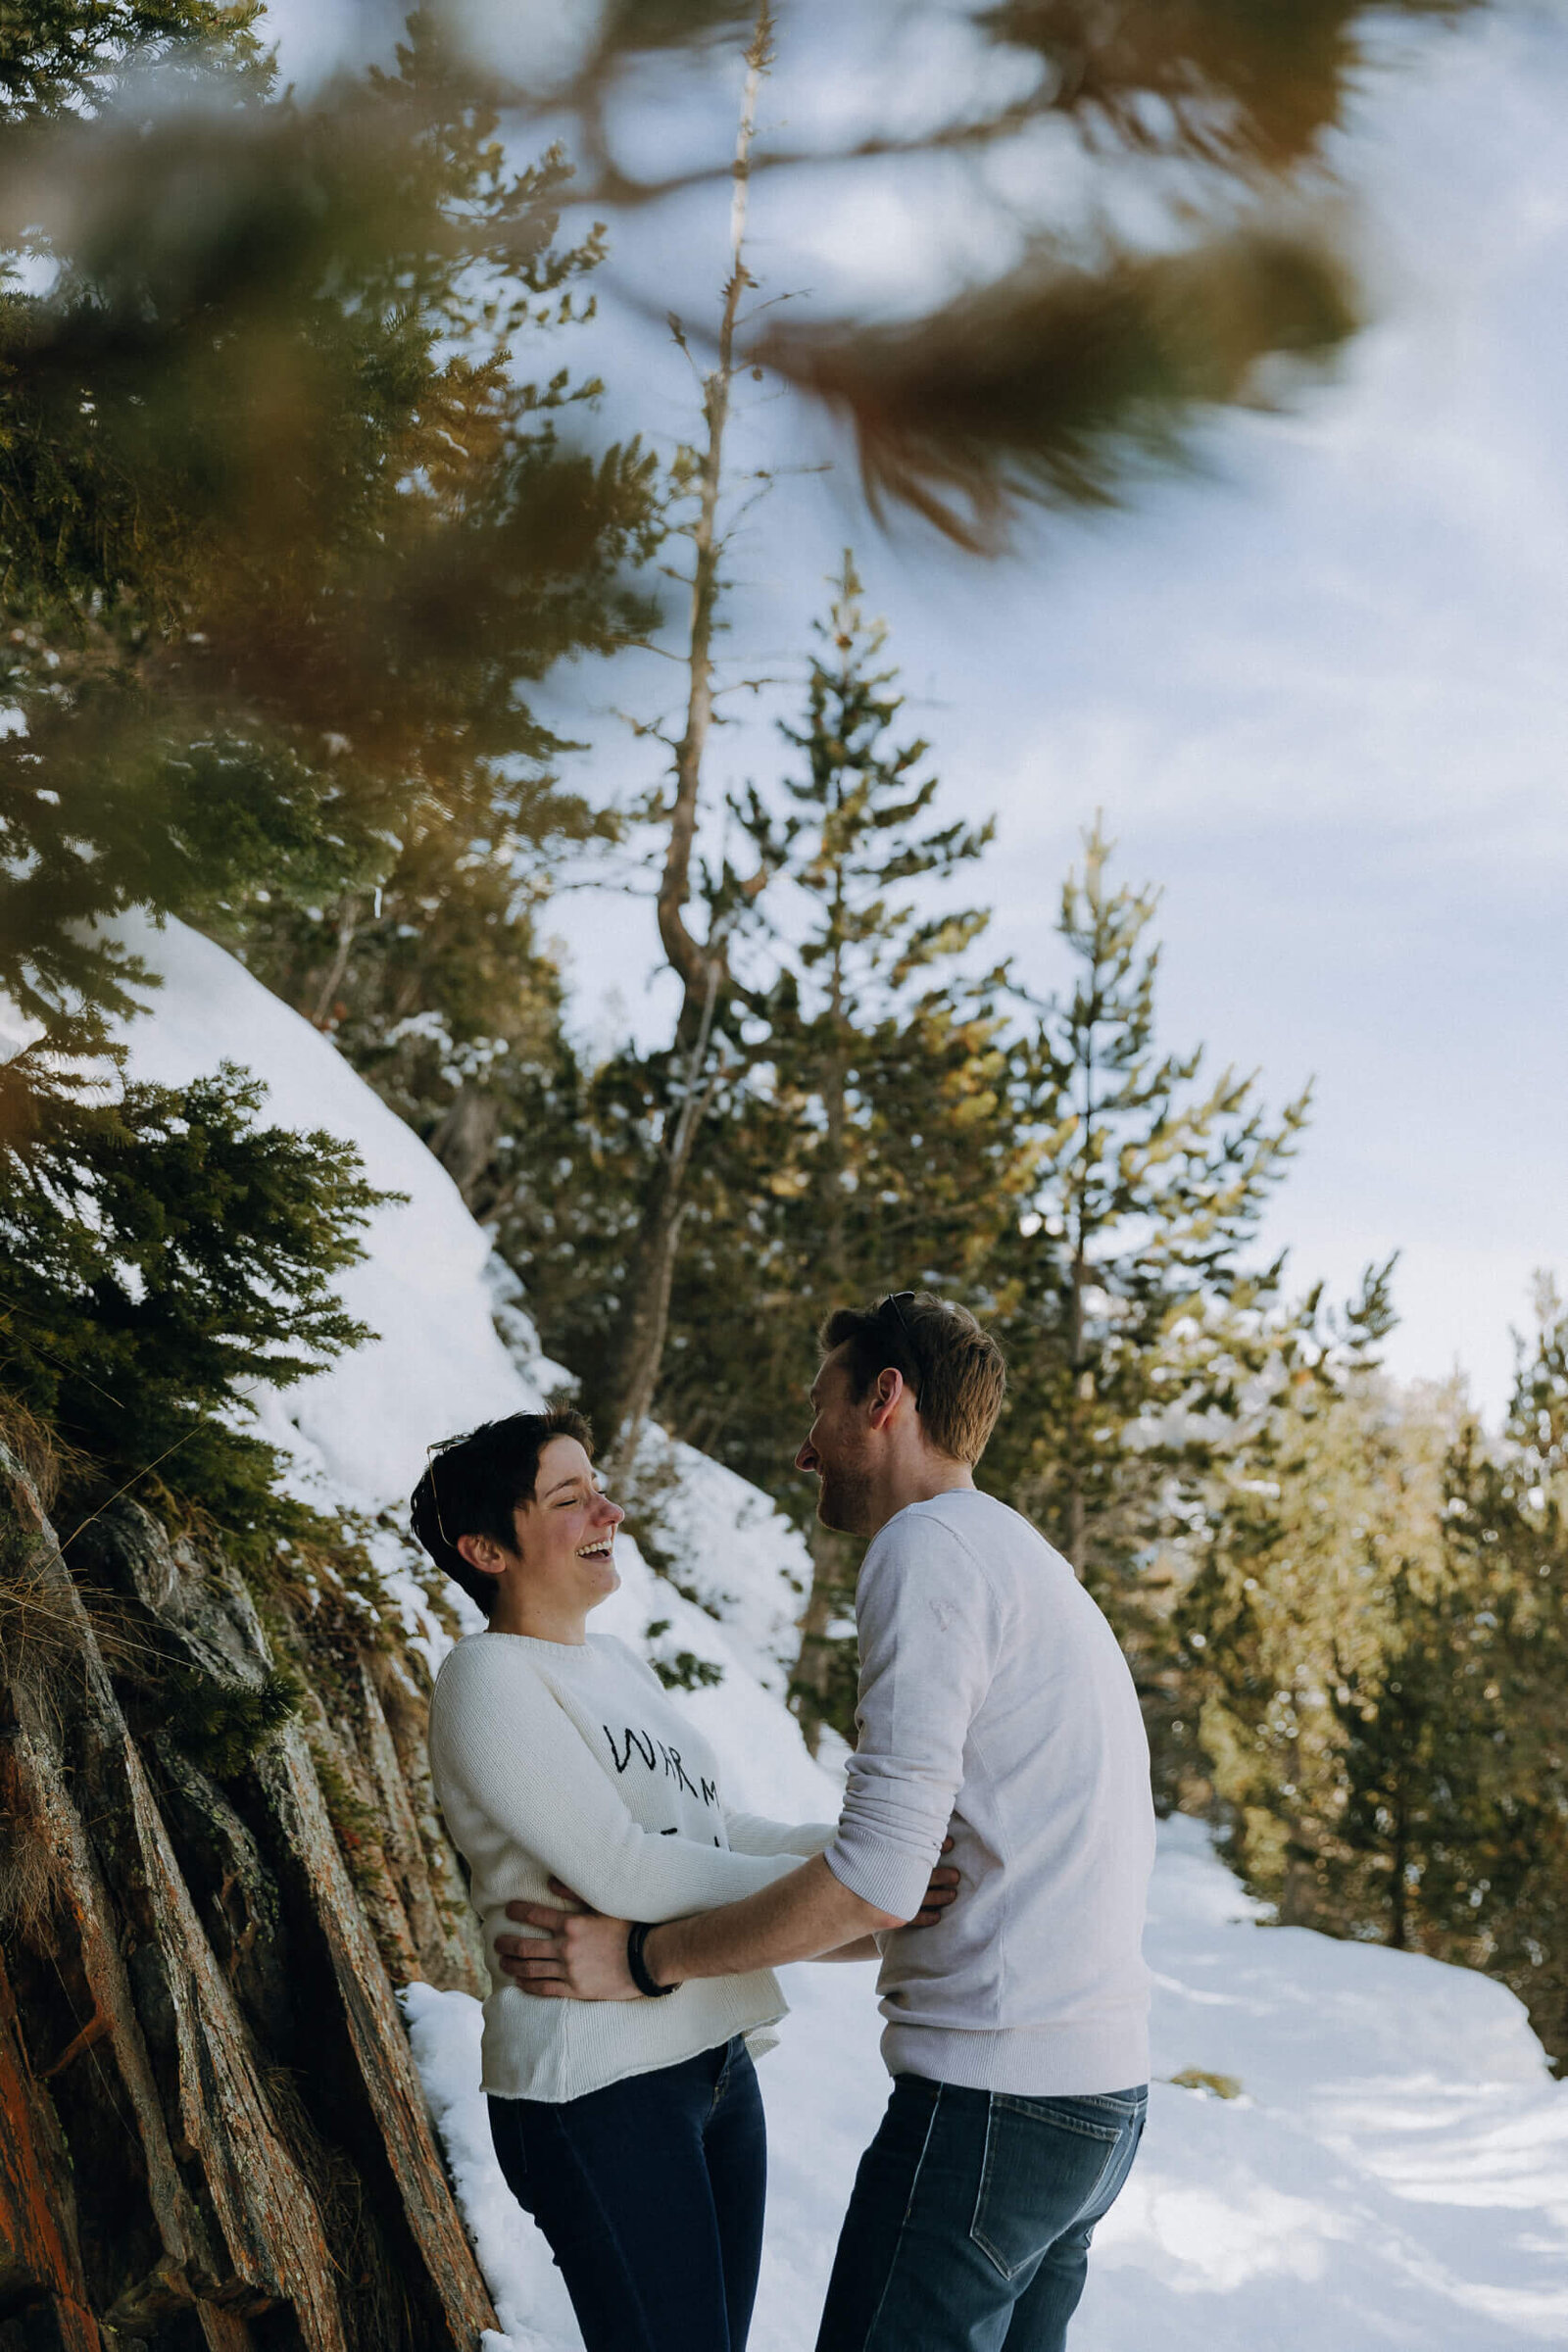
896	1300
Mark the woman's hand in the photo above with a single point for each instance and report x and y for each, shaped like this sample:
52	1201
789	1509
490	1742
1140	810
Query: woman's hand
579	1955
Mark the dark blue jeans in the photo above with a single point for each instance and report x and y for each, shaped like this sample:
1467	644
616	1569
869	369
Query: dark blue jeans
650	2194
972	2217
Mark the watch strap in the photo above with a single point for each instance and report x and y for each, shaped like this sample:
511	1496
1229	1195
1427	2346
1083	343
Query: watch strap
637	1936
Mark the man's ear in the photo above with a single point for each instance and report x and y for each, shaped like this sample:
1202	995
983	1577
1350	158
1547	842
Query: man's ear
886	1390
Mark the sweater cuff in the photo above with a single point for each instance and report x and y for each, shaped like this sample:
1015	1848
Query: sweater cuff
888	1876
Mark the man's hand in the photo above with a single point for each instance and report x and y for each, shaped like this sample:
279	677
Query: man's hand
581	1956
940	1891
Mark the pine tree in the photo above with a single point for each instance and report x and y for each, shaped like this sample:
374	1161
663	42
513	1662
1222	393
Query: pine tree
872	1146
285	538
1322	1551
163	1252
1505	1528
1082	359
1132	1321
1376	1638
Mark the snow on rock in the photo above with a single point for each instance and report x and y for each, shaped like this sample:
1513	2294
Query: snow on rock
1393	2169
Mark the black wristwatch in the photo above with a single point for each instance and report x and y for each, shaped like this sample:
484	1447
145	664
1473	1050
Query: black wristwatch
637	1936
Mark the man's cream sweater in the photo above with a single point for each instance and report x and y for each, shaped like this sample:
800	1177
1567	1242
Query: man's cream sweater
569	1760
993	1699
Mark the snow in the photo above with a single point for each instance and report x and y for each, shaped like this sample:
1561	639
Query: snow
738	1556
431	1289
1394	2171
440	1365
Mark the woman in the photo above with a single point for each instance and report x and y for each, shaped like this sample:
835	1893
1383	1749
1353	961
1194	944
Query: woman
632	2132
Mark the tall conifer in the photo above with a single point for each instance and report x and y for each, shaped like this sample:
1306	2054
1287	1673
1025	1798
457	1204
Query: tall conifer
873	1146
1130	1310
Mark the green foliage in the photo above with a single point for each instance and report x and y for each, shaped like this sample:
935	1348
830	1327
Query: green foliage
60	56
1130	1317
871	1143
222	1723
1377	1639
1088	358
286	538
684	1671
163	1251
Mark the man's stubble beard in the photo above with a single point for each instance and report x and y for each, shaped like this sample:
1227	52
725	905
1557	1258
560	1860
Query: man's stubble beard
842	1501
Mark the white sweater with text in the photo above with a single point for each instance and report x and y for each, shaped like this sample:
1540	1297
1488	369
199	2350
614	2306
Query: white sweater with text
569	1760
993	1691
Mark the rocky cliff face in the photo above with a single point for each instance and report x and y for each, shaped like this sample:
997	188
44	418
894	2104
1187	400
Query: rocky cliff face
220	1855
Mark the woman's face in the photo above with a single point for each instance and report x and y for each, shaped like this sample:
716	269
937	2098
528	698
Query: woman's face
566	1535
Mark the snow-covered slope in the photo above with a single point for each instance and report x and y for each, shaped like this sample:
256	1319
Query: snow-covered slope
358	1432
1394	2171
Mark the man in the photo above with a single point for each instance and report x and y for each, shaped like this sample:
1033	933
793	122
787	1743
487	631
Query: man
992	1690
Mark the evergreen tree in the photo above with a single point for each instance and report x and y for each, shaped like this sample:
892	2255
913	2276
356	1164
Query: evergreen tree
872	1146
63	57
1377	1640
1506	1528
1083	357
285	539
163	1252
1322	1549
1131	1320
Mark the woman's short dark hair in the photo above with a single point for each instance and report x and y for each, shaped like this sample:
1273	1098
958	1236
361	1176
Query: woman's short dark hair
474	1485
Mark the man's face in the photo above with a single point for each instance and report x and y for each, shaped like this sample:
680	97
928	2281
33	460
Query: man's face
838	1449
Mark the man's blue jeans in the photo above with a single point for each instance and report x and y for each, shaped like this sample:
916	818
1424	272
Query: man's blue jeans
650	2194
972	2217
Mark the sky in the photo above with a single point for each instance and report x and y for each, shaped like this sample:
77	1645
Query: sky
1315	684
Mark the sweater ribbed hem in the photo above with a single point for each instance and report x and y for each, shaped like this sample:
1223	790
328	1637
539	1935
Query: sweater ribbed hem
1031	2062
560	2050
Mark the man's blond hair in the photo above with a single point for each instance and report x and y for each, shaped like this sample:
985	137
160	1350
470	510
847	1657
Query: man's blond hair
955	1369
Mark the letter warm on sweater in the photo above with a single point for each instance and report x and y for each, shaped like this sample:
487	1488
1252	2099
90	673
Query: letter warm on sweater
554	1759
993	1691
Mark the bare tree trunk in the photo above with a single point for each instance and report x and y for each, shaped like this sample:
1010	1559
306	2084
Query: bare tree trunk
810	1685
696	963
811	1680
348	927
660	1240
1399	1915
1077	1507
465	1140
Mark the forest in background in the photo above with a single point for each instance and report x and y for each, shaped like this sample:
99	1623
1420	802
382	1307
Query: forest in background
301	499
